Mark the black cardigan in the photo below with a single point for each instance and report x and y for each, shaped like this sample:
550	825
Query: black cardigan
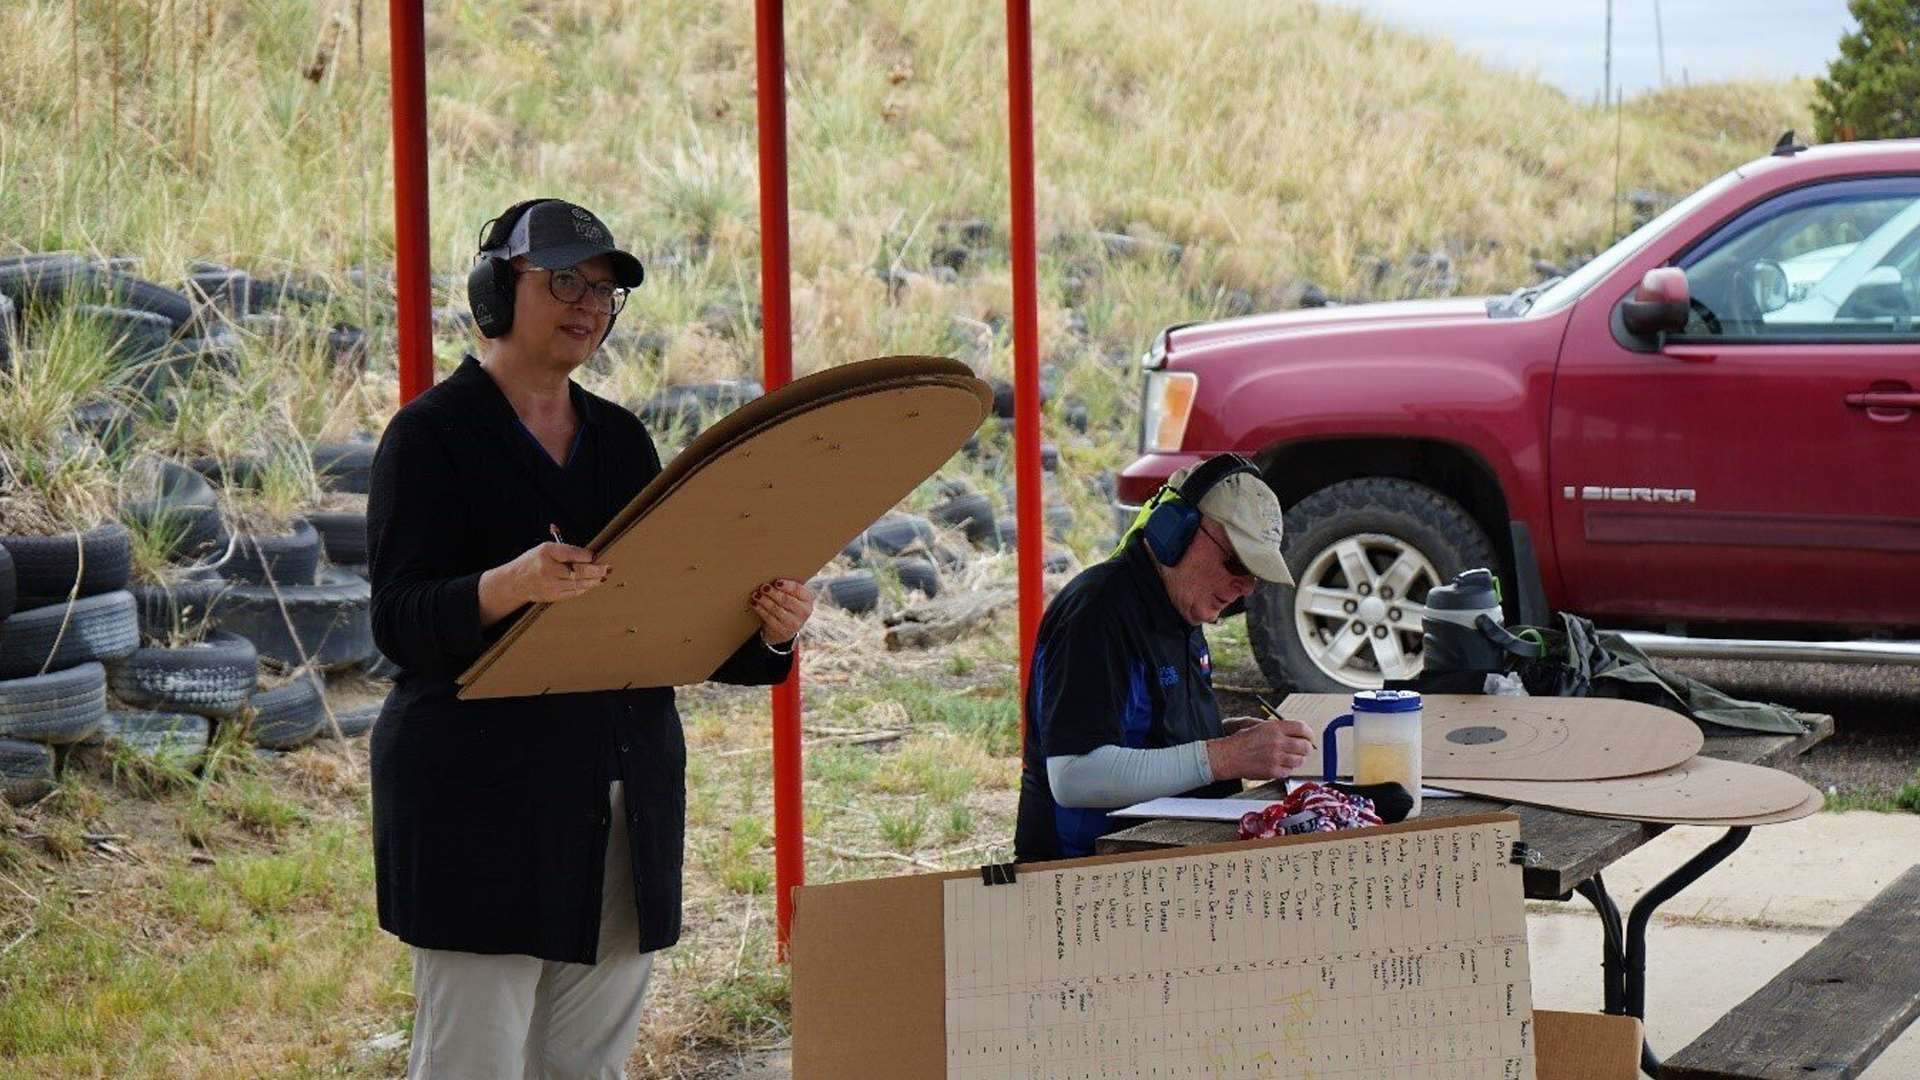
490	817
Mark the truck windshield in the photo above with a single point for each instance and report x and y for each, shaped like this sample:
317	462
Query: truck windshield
1570	288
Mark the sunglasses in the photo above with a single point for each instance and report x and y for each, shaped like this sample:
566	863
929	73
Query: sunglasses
1228	560
568	285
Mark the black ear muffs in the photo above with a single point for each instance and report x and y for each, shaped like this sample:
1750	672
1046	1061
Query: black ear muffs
1169	522
490	295
490	283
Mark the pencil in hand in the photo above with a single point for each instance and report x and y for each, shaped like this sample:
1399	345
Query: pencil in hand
1273	713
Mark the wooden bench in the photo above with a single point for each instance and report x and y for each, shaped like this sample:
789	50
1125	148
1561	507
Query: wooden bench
1829	1014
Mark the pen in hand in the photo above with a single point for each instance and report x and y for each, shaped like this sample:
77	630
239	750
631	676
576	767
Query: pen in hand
1267	707
554	531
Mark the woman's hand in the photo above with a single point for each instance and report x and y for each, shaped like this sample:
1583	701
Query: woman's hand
543	574
783	607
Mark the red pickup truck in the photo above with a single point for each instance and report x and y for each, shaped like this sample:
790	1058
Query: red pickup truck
1708	430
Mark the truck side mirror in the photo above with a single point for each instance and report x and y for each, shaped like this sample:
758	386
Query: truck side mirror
1660	305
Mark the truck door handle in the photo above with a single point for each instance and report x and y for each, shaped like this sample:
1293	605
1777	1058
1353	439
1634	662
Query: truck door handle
1884	399
1886	404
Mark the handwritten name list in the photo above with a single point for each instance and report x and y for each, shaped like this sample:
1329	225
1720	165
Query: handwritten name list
1396	956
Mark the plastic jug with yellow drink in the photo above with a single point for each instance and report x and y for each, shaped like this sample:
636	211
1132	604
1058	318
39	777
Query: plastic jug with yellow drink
1386	741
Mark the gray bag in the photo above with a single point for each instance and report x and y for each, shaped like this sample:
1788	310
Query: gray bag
1581	661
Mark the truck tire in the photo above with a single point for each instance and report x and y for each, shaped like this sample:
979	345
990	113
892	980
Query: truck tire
1403	538
917	574
59	636
969	511
44	567
343	536
26	771
132	336
691	408
893	534
177	607
240	472
176	485
38	281
331	620
344	466
856	592
189	533
212	678
176	739
291	557
356	722
290	717
58	707
110	424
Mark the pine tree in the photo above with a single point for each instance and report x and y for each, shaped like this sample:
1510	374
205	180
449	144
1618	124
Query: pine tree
1872	90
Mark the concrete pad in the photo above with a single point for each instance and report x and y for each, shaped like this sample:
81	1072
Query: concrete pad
1695	974
1812	873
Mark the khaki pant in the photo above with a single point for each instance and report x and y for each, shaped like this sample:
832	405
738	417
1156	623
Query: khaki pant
479	1017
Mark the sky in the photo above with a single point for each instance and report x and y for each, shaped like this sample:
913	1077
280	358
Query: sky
1565	42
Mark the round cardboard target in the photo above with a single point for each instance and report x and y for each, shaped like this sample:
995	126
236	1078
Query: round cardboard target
1526	738
1704	790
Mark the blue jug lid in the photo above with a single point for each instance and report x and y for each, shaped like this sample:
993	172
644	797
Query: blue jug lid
1386	701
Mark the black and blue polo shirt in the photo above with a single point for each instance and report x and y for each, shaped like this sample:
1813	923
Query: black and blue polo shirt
1113	665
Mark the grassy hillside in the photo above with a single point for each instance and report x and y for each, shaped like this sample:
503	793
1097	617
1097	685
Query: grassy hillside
1277	143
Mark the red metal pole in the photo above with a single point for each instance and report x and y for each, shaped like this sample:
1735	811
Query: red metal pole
412	256
1026	335
770	72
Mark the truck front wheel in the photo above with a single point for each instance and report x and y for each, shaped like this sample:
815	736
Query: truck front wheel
1364	553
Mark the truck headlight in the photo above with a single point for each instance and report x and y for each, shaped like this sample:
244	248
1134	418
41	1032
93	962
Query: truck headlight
1163	415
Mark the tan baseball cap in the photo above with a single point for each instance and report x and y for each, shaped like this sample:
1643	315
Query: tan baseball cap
1250	512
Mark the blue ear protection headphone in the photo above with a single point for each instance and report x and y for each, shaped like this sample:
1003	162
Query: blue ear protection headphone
1171	518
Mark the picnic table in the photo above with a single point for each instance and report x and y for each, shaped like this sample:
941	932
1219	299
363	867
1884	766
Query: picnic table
1569	852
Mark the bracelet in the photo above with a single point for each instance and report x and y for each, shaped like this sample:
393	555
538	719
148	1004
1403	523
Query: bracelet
777	650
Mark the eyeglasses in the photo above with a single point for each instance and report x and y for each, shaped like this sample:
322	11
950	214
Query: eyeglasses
1228	560
569	285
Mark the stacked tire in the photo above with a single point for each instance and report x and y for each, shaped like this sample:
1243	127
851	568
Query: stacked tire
182	516
325	623
64	612
275	597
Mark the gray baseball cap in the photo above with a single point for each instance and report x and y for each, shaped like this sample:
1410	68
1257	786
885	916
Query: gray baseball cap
1250	512
555	234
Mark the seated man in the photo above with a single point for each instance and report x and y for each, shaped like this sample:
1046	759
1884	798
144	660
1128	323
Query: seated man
1120	704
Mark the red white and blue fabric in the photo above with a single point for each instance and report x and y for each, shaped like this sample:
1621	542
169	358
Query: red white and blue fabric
1309	808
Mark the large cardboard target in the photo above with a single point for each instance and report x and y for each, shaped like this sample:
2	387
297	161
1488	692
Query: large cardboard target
863	376
776	492
1813	804
1702	790
1525	738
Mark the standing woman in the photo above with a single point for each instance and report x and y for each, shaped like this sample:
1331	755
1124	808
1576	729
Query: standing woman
529	849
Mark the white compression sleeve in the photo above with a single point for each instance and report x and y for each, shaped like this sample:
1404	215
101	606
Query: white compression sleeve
1110	777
